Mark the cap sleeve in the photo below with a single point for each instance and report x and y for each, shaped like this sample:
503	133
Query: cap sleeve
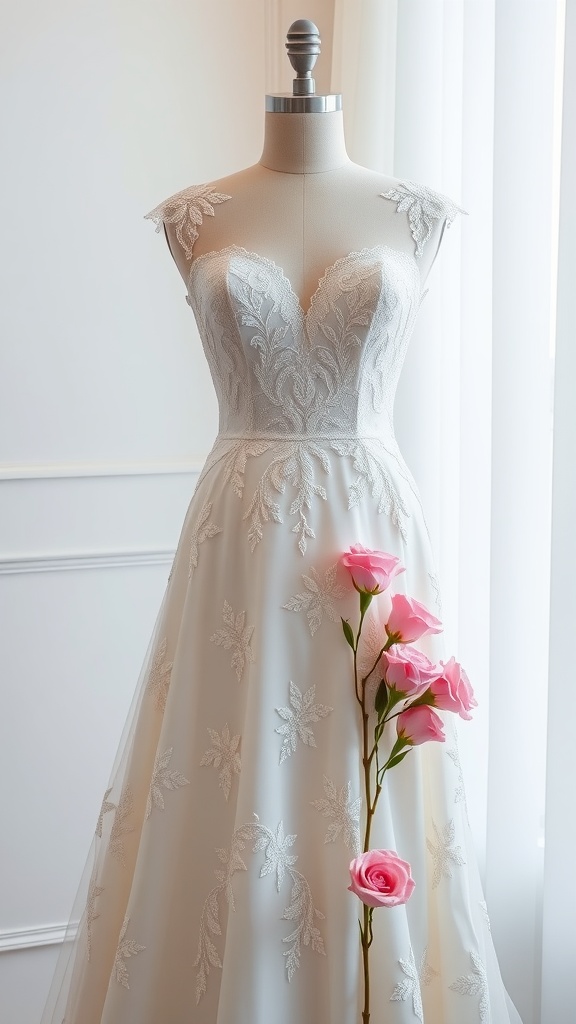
186	210
426	209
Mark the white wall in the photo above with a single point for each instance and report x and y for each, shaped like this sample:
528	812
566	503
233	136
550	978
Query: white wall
106	409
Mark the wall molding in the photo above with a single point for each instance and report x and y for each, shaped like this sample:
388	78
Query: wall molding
64	561
67	470
36	936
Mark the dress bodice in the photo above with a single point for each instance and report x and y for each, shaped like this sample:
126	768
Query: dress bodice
329	371
299	390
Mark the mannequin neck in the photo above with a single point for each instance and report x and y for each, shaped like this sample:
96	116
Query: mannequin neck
304	143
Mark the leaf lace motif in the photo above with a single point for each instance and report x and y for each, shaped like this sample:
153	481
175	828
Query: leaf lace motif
186	210
444	853
236	636
424	206
163	777
415	978
318	597
159	682
339	805
225	756
93	893
278	861
120	826
297	719
202	530
126	948
475	984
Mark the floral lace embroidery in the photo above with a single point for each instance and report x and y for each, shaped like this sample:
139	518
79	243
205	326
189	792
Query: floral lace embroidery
225	756
126	948
159	682
475	984
444	853
278	861
410	986
424	206
235	635
339	805
297	720
203	529
459	794
299	386
106	806
318	597
163	777
120	827
186	209
93	893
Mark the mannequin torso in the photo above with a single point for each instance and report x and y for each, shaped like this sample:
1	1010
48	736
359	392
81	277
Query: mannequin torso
305	205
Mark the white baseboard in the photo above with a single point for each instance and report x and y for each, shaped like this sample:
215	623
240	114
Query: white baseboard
63	470
32	938
58	562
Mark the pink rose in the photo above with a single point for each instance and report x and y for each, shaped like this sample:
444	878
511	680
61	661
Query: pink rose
381	879
371	571
420	724
452	690
408	670
409	620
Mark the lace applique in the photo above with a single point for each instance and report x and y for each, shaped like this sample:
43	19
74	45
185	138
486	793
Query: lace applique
278	861
186	210
93	893
120	826
410	986
159	682
126	948
202	530
106	806
297	720
163	777
444	853
318	597
235	635
459	794
297	386
475	984
424	206
367	459
225	756
345	811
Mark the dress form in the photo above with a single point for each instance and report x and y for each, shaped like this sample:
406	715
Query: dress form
305	205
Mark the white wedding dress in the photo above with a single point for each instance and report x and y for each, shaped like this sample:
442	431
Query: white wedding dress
216	890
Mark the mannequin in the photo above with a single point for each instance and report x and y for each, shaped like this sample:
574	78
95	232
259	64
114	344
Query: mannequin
305	204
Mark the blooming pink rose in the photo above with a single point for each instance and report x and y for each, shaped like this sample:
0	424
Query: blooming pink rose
452	690
409	620
408	670
420	724
371	571
381	879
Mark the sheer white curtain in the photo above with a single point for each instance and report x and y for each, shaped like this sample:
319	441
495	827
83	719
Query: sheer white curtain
466	97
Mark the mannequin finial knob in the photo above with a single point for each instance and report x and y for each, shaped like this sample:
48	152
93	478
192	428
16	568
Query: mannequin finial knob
303	48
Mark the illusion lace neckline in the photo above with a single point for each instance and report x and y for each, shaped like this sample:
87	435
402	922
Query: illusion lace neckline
278	271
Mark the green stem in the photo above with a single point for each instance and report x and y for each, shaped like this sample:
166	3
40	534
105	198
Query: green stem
365	959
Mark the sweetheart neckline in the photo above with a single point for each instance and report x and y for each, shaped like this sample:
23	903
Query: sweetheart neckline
276	268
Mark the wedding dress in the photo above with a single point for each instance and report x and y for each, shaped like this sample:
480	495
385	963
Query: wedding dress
217	884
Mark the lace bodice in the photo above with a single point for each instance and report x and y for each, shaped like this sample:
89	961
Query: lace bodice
330	371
